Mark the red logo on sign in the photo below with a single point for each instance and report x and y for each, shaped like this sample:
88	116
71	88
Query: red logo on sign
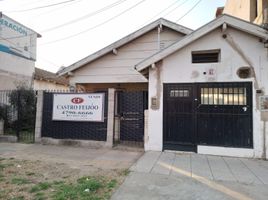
77	100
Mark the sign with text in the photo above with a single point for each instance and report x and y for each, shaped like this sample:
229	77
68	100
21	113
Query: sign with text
78	107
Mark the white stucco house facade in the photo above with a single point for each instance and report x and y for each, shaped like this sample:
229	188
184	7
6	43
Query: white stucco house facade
208	85
17	53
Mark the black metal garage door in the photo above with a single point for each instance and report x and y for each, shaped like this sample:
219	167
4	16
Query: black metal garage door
218	114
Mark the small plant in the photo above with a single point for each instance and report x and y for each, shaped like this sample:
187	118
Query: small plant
18	198
85	188
23	99
125	172
30	173
40	187
2	177
112	184
39	196
20	181
3	166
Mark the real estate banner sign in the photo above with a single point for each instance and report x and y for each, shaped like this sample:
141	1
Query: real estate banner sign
78	107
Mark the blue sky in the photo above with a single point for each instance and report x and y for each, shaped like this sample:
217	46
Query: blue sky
99	29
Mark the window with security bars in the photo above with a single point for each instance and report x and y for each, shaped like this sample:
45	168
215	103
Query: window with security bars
179	93
207	56
223	96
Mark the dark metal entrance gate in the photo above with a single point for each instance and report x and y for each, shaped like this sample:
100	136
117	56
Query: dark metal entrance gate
131	106
17	113
218	114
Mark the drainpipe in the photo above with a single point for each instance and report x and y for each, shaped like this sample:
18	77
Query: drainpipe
265	18
264	139
159	29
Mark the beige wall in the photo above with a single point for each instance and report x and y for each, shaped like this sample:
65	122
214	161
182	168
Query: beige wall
10	80
120	86
249	10
119	68
45	85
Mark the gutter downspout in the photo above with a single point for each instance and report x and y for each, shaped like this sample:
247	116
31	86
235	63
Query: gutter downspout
159	30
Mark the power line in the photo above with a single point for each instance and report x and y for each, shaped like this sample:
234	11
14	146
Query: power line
40	7
188	11
55	9
75	20
85	16
96	26
175	8
160	12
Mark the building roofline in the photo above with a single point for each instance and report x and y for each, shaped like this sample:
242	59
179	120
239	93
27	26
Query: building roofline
230	21
1	14
123	41
44	75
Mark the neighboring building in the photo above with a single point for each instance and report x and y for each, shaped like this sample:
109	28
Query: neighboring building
45	80
112	66
17	53
254	11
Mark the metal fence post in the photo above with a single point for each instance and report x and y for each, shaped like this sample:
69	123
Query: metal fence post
110	117
18	124
39	115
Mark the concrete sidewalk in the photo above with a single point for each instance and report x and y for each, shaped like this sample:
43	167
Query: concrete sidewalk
165	175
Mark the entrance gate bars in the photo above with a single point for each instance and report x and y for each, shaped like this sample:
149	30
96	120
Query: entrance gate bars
217	114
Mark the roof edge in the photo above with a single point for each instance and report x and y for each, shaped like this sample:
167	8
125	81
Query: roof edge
243	25
2	14
123	41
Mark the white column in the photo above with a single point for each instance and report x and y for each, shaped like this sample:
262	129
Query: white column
110	117
38	118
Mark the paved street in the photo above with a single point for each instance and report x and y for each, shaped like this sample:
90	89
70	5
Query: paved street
168	175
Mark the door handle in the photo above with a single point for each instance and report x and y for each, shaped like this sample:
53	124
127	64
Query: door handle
245	108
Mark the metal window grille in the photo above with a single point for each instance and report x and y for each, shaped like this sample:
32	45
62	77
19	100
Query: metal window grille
212	56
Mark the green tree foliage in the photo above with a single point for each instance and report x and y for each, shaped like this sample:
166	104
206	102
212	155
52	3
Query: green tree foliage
24	101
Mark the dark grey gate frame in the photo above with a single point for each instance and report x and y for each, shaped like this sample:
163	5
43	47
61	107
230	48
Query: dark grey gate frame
211	110
131	106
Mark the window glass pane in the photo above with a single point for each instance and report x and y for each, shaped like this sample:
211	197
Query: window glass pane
230	97
186	93
210	96
235	90
220	96
223	96
179	93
